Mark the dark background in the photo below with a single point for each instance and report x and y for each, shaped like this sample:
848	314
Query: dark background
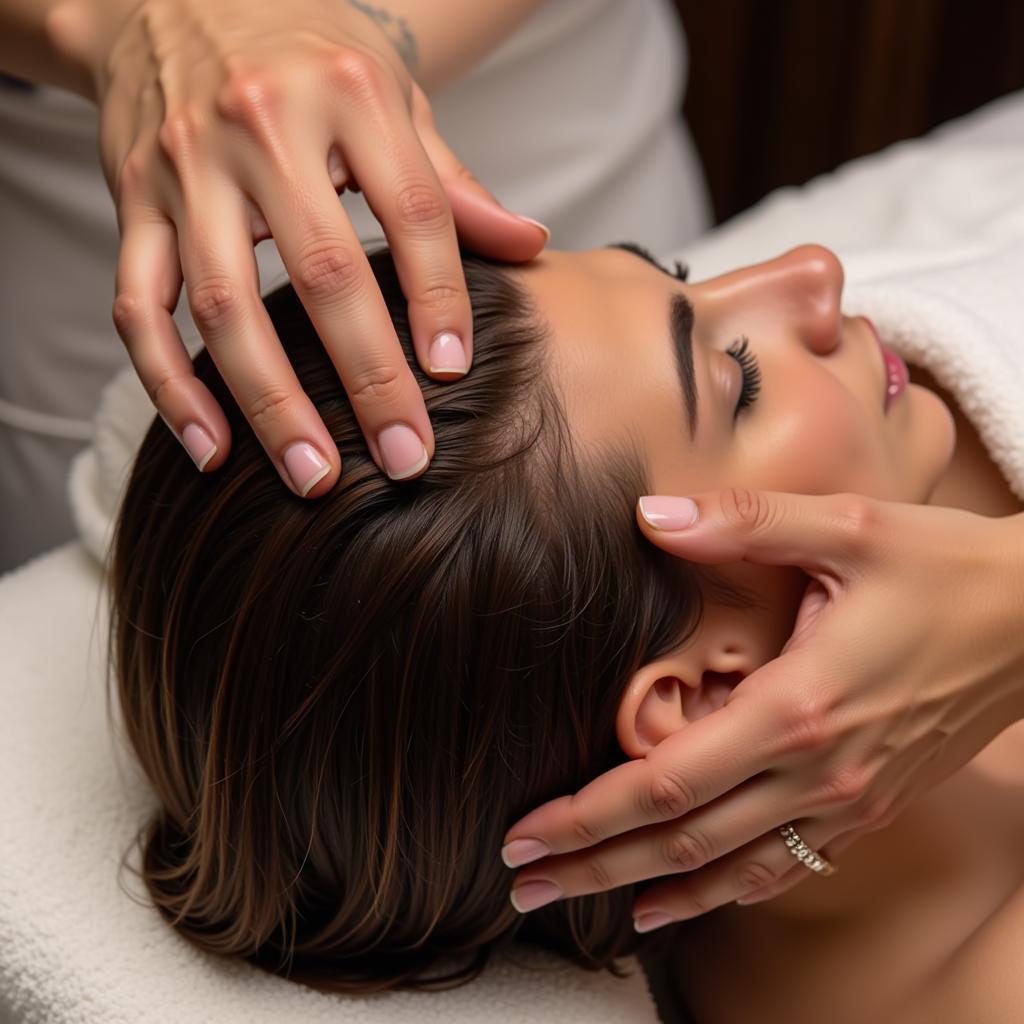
782	90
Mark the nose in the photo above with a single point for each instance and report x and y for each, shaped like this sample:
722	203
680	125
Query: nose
810	278
803	285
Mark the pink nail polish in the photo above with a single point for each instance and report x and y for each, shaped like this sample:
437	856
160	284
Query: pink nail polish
401	451
523	851
305	466
668	513
654	919
198	444
534	895
749	901
537	224
447	354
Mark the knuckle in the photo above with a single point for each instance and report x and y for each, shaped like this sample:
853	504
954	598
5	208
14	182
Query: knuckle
158	389
693	903
440	299
686	851
268	406
670	795
857	521
598	877
754	875
213	304
808	727
376	384
874	813
844	787
357	72
179	131
745	508
326	270
587	833
246	97
420	205
134	174
128	315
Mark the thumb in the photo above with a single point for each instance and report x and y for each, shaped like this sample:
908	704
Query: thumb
830	534
483	224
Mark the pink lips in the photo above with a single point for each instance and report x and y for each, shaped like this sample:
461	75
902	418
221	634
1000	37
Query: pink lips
896	373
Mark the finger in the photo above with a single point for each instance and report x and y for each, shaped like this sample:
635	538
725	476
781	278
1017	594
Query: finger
333	279
684	845
798	873
483	224
223	293
708	758
827	534
400	185
147	287
758	865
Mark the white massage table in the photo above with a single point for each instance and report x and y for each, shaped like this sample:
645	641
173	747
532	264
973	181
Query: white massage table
74	946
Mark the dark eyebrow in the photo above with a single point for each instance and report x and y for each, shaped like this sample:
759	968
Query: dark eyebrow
680	328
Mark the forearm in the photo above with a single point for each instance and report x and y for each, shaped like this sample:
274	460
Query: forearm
441	40
56	42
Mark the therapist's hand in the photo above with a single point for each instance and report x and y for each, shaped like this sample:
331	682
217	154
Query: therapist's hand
906	659
224	122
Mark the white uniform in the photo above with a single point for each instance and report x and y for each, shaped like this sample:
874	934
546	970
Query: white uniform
573	120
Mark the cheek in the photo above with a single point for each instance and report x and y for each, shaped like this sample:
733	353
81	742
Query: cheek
816	439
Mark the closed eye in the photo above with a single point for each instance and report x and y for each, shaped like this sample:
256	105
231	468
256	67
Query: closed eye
751	387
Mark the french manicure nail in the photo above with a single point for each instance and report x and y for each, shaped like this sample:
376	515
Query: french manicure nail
446	354
305	466
747	901
655	919
401	451
533	895
668	513
198	444
523	851
537	224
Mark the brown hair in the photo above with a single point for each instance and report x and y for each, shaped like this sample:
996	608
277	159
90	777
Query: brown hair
342	704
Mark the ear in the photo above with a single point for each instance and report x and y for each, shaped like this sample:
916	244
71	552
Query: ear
666	695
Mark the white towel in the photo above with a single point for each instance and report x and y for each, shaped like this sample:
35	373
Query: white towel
963	322
75	949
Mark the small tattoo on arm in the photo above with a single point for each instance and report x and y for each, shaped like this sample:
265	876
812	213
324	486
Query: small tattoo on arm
397	29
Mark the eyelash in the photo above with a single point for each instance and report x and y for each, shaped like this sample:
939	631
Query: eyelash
751	387
739	349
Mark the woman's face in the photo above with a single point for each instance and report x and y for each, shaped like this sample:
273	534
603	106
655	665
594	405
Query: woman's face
817	425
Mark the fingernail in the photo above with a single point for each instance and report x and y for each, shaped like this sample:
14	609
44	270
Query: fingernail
537	224
523	851
446	354
305	466
198	444
747	901
532	895
667	513
655	919
401	451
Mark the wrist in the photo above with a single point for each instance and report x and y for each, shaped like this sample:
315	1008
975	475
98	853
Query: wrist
81	34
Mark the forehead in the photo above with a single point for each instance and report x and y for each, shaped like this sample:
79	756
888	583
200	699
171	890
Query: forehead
609	350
